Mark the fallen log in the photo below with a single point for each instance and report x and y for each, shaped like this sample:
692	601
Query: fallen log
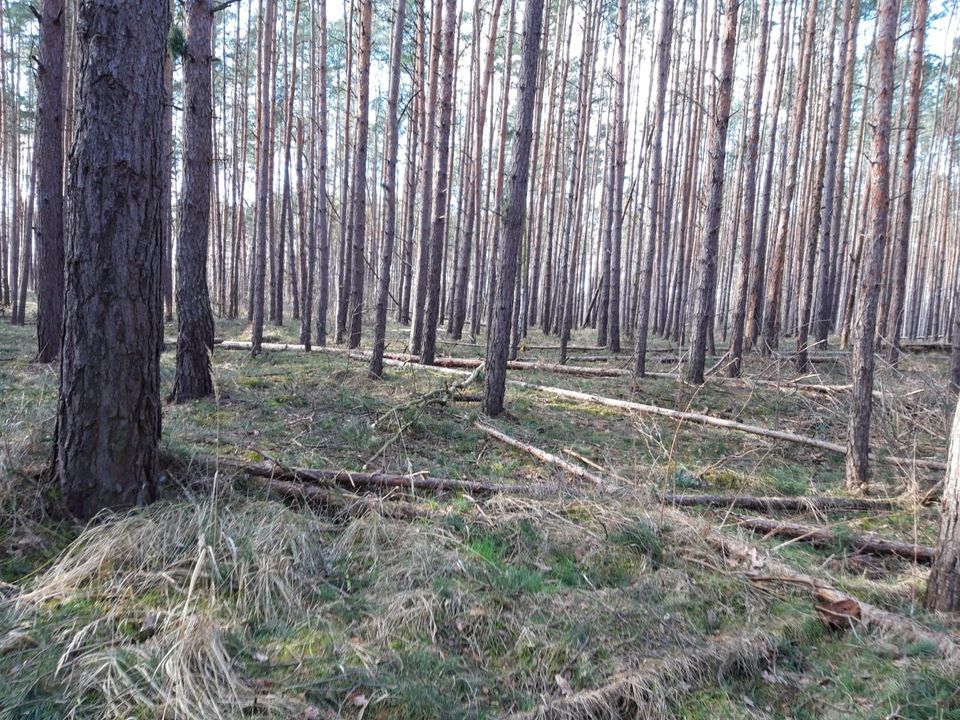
872	617
710	420
780	504
548	457
367	481
349	505
870	544
451	365
646	690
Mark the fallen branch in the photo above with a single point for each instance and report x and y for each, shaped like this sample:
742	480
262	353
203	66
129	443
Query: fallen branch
647	690
370	481
870	544
550	458
698	418
710	420
779	504
873	617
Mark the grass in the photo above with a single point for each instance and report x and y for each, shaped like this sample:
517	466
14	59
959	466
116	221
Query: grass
201	607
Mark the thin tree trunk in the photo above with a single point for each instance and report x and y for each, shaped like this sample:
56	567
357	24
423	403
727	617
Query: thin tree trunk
706	292
194	318
390	193
865	319
514	214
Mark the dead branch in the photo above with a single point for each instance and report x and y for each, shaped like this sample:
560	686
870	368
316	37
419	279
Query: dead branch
701	419
780	504
550	458
870	544
647	690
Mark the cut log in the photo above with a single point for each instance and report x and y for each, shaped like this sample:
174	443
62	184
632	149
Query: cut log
710	420
870	544
780	504
548	457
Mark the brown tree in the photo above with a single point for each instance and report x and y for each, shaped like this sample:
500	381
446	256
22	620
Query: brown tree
901	235
706	291
653	188
193	377
943	586
868	293
513	214
390	191
108	415
50	188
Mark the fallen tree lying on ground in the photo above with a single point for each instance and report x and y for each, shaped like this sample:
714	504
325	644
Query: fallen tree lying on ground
870	544
780	504
699	418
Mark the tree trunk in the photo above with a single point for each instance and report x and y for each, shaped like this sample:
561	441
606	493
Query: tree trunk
194	318
390	193
943	586
438	238
902	232
323	235
358	212
265	125
750	194
653	188
706	292
50	154
865	319
108	415
514	214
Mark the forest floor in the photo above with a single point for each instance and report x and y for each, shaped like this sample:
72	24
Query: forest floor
557	600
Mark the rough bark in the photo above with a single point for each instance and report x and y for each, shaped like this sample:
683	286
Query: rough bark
390	193
50	189
358	212
909	161
194	317
653	187
438	229
108	415
514	215
943	587
265	127
868	294
706	291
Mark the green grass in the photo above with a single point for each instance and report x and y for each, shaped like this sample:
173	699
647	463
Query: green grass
475	610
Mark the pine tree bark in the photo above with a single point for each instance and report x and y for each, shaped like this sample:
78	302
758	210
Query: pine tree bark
943	585
50	190
358	212
438	238
265	125
865	318
193	377
774	289
706	291
108	414
902	232
390	193
323	235
750	193
653	188
514	214
429	146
